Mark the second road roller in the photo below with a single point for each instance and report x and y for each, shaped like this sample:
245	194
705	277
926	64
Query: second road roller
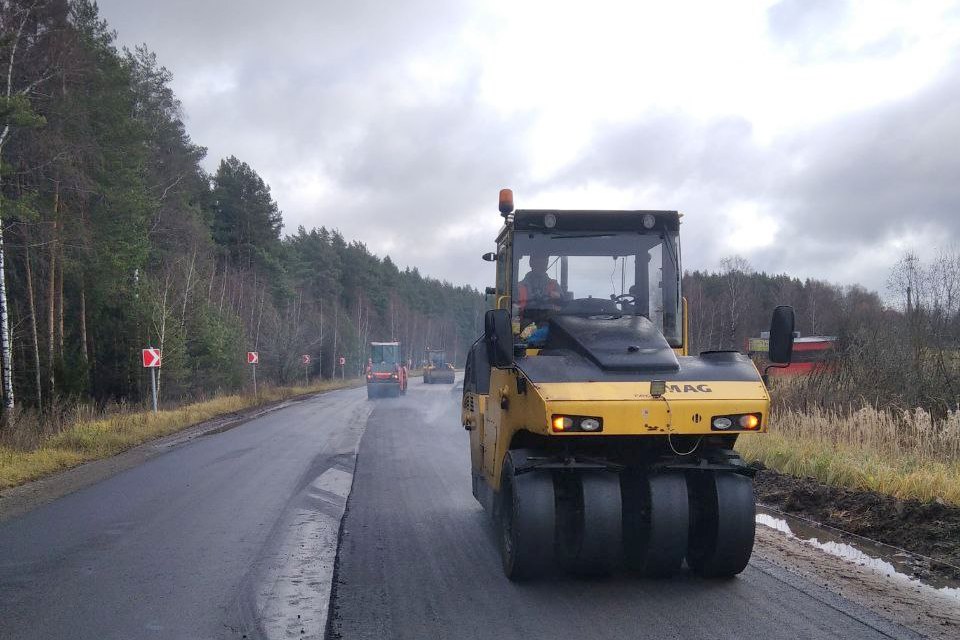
596	439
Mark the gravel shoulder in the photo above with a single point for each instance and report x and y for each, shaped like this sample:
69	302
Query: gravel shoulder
927	611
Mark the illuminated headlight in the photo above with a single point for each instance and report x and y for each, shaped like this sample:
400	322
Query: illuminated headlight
565	424
723	423
737	422
550	220
590	424
649	221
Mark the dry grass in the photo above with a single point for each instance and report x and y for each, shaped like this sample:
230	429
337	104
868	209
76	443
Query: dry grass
91	437
905	454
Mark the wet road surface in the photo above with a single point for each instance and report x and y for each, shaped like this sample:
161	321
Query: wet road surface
195	543
234	535
418	559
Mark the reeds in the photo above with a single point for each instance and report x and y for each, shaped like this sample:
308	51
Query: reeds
907	454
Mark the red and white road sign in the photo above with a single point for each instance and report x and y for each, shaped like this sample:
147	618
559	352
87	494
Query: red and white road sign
151	358
343	361
305	359
253	357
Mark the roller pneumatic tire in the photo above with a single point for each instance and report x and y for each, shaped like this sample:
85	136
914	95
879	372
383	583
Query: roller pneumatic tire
526	520
724	523
656	521
589	535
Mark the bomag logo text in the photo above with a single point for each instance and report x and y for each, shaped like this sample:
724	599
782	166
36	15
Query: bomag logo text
689	388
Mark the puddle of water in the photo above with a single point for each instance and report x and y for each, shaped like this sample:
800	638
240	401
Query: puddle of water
889	561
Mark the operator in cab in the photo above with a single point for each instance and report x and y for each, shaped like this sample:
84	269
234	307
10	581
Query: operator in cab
537	288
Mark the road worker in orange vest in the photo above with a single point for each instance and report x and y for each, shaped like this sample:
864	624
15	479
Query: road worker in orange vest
537	289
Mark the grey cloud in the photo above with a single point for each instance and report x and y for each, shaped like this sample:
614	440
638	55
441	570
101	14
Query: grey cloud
671	150
697	168
320	89
812	31
837	191
188	32
804	24
799	20
889	171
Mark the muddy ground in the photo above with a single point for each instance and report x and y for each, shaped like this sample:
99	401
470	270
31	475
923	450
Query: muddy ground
928	528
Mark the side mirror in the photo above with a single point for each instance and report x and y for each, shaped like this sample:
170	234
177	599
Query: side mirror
490	291
489	257
498	336
781	336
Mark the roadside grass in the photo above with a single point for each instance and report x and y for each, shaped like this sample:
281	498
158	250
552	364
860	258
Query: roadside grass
905	454
88	437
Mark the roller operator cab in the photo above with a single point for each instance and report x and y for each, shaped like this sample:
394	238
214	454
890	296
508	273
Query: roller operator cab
386	372
436	369
595	439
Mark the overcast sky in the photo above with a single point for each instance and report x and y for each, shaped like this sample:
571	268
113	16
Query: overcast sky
815	137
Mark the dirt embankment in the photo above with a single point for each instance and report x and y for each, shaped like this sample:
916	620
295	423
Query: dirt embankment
927	528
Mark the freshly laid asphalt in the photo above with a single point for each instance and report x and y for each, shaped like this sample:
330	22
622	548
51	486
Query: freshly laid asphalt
418	560
233	535
186	544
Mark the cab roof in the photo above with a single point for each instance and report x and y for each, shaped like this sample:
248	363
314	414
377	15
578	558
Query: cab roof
594	220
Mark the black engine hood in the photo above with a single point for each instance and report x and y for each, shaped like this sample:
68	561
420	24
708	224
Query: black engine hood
615	343
596	350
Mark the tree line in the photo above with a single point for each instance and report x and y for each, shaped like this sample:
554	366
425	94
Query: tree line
733	304
115	238
900	353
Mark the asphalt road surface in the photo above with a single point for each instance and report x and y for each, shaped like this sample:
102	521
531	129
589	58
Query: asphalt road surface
218	538
234	535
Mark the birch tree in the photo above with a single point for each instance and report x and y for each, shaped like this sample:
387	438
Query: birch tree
15	112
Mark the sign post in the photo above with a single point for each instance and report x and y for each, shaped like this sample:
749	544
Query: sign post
343	361
151	360
305	359
253	357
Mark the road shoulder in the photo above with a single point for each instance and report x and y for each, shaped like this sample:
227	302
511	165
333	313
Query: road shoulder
19	500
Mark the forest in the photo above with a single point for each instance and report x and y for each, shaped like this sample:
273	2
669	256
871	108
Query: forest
115	238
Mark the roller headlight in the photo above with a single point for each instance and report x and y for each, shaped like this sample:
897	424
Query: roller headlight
583	424
590	424
649	221
550	220
722	423
736	422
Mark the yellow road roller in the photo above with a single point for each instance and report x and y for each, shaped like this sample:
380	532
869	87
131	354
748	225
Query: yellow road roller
596	440
436	369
